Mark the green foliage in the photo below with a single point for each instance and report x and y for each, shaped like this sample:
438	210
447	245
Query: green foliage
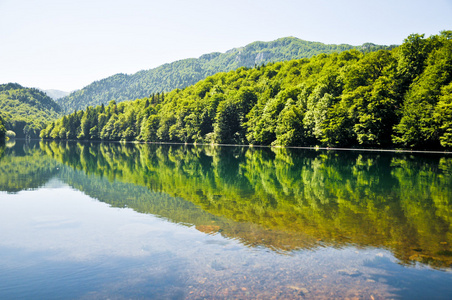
10	134
443	115
26	110
183	73
418	127
227	123
2	129
289	129
385	98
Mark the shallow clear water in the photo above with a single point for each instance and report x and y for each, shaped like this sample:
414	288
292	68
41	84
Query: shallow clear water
82	221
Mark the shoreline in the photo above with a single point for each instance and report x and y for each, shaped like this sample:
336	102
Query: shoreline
260	146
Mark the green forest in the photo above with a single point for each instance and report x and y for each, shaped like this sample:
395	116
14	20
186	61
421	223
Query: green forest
25	111
2	129
397	97
186	72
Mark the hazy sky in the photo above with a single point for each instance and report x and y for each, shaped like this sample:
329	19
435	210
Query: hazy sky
66	44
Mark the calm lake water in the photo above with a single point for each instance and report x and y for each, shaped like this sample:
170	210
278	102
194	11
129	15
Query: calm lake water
112	221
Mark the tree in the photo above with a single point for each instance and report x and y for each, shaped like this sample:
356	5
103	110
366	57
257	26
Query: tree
443	116
417	127
149	129
87	123
412	55
376	114
2	129
227	124
290	131
338	126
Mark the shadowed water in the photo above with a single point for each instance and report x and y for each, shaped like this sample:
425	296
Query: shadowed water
93	221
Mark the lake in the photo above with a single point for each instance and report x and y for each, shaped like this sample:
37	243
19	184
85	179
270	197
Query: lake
127	221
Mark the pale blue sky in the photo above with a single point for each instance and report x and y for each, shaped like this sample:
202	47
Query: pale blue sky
65	44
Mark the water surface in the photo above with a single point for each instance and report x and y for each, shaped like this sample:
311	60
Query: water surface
97	221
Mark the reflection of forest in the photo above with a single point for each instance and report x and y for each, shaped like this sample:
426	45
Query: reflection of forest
178	210
284	199
23	166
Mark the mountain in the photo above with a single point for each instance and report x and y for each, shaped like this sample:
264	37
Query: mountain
55	94
26	110
183	73
385	99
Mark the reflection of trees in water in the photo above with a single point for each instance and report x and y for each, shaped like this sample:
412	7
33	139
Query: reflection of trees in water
289	198
23	166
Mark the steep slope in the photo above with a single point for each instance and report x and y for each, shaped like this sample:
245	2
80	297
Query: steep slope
187	72
26	110
384	99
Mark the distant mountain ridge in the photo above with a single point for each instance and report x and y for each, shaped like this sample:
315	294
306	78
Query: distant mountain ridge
182	73
55	94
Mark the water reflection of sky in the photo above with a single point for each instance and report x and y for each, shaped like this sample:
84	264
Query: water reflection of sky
81	228
57	242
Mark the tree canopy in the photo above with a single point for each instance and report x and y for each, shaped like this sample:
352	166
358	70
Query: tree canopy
2	129
26	110
388	98
186	72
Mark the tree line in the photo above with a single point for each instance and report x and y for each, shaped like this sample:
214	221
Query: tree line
389	98
186	72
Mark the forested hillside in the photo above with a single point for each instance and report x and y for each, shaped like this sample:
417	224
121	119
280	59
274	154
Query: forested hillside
2	129
26	110
187	72
389	98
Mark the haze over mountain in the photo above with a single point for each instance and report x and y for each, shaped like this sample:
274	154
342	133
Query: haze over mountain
182	73
55	94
